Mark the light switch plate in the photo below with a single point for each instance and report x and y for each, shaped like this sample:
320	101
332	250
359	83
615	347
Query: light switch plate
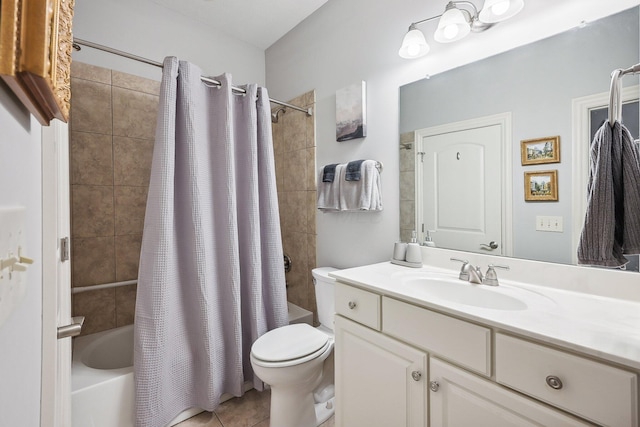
549	223
12	244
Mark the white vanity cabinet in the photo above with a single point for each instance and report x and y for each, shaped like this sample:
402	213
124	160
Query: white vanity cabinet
476	376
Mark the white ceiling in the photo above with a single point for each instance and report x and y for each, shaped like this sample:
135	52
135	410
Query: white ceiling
257	22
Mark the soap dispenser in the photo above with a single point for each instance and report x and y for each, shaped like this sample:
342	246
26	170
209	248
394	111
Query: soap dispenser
414	252
428	241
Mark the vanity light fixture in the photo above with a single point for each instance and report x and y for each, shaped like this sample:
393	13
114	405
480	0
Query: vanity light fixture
456	22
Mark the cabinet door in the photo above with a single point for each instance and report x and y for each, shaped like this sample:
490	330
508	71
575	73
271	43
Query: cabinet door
461	399
380	382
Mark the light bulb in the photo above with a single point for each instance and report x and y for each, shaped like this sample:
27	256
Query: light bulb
450	31
413	49
500	8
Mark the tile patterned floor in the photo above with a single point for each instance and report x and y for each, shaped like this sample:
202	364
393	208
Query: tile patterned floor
250	410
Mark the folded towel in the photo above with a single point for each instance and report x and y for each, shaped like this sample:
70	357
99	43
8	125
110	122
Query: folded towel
328	197
612	221
329	172
353	170
363	195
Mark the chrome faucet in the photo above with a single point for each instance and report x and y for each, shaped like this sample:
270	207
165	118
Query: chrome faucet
491	278
475	275
464	270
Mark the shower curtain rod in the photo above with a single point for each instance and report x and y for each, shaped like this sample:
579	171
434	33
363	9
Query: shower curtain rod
77	42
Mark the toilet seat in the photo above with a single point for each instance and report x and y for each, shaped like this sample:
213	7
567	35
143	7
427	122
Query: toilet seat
289	345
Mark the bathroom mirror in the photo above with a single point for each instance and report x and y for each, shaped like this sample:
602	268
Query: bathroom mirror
540	88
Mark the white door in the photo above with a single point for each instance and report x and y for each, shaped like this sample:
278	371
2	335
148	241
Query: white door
56	281
460	399
462	188
380	382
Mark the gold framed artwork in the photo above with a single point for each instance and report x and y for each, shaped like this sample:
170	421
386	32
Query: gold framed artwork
541	186
540	150
35	55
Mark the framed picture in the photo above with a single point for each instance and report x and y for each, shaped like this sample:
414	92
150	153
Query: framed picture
35	55
540	150
351	112
541	186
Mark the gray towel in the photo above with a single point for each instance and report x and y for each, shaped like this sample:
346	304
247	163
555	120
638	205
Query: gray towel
329	172
353	170
612	221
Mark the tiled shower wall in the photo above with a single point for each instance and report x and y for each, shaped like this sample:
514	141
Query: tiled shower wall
112	128
295	151
407	186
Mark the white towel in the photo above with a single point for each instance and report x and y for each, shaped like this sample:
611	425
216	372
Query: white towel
329	192
362	195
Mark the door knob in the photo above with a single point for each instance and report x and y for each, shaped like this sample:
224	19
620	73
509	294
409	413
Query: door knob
72	329
491	246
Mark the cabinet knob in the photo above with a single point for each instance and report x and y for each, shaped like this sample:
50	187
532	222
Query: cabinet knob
352	305
434	386
554	382
416	375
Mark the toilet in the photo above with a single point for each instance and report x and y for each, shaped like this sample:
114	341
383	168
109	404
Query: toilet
297	363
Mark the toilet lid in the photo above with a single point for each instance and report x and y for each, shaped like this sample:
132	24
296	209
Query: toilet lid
289	342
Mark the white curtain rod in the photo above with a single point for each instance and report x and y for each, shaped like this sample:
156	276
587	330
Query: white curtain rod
78	42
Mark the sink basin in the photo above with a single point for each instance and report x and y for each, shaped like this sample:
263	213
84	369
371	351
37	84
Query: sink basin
460	292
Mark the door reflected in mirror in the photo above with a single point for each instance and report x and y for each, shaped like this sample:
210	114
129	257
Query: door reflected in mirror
538	86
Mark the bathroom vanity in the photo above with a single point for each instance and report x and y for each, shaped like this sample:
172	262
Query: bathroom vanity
419	347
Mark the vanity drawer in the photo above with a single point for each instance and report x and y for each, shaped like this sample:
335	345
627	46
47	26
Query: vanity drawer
460	342
358	304
598	392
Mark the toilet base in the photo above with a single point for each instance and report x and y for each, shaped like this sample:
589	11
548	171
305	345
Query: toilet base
305	413
324	411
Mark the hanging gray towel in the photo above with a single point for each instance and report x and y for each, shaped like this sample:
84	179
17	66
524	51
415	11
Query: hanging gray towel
612	221
353	170
329	173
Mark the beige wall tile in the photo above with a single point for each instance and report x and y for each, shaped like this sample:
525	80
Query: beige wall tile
125	305
130	207
91	107
311	205
94	73
407	214
280	171
127	256
93	261
132	160
92	211
407	137
407	186
99	309
297	212
91	158
134	113
310	182
295	131
311	252
295	170
407	160
140	84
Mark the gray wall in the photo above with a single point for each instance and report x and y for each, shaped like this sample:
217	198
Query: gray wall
536	83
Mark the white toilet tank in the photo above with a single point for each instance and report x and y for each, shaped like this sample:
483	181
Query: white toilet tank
324	287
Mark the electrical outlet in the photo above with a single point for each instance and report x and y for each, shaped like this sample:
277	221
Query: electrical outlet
549	223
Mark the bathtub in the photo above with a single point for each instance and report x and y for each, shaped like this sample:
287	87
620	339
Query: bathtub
102	388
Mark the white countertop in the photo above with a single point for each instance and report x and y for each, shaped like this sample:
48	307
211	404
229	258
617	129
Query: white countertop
603	327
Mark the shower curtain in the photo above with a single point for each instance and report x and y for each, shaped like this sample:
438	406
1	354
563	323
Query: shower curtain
211	277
